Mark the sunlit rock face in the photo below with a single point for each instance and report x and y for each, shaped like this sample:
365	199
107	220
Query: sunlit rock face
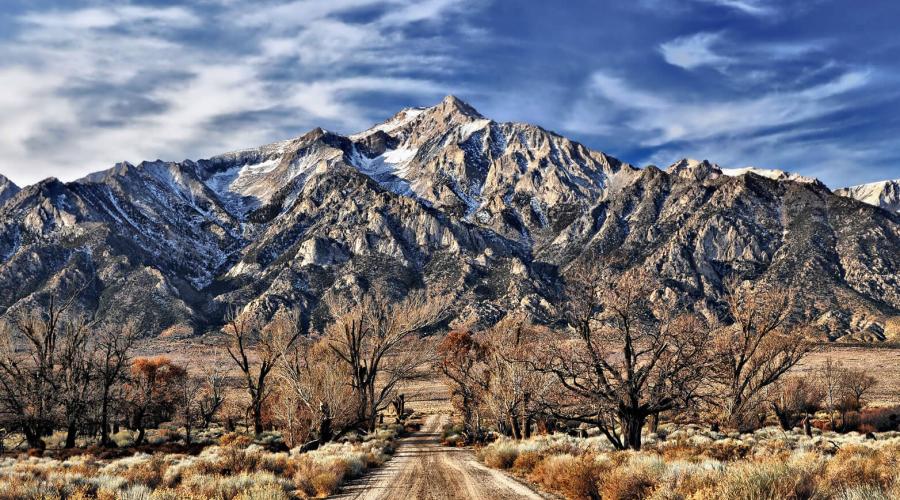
441	198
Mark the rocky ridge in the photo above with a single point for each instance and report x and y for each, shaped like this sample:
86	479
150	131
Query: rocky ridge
441	198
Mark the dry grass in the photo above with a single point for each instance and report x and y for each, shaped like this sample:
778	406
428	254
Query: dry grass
695	464
232	469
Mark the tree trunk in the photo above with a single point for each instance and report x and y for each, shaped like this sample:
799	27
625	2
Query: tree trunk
257	418
654	423
33	439
514	426
140	437
104	418
71	432
325	432
633	424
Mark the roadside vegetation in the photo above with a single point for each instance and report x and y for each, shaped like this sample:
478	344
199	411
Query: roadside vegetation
284	413
641	397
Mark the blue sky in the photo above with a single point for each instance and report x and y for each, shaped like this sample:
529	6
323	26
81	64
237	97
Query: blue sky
808	86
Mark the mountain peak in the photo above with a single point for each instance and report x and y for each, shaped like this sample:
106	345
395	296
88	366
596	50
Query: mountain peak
884	194
453	104
8	189
696	169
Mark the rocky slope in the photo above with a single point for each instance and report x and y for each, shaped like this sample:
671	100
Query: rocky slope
884	194
7	189
441	198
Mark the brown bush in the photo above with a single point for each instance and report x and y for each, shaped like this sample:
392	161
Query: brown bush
149	473
526	462
881	419
859	466
236	440
627	483
575	477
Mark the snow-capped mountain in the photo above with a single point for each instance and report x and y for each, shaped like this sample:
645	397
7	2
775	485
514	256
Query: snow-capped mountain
703	170
884	194
443	198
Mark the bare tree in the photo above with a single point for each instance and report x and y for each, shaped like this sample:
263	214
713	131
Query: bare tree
622	361
320	398
756	349
844	391
256	350
29	354
461	359
213	392
515	390
188	395
377	340
153	392
74	375
112	357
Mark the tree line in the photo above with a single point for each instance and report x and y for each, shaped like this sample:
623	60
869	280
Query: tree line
628	356
624	354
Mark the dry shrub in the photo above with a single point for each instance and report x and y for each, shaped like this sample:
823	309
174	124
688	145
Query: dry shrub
574	477
854	466
772	479
315	479
500	455
148	473
727	450
237	460
527	461
880	419
628	483
235	440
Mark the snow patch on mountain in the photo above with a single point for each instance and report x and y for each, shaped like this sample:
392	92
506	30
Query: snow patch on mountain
397	121
884	194
771	173
388	169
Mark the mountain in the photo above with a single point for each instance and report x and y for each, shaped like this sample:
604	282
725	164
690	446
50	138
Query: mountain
442	198
7	189
884	194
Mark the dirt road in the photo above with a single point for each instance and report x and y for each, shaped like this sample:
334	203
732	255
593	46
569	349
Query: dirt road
423	469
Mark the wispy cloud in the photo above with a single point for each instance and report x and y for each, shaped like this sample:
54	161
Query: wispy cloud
109	82
751	7
659	120
694	51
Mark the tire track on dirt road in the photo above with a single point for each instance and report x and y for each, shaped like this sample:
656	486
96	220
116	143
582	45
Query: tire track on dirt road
424	469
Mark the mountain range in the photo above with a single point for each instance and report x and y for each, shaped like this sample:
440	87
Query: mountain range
445	199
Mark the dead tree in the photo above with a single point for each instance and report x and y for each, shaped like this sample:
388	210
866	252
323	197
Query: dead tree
29	352
461	359
755	348
112	357
377	339
623	360
256	351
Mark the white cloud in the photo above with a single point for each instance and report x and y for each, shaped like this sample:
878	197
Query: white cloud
752	7
657	120
108	17
694	51
89	87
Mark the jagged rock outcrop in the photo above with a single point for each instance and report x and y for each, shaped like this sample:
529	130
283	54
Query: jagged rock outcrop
7	189
441	198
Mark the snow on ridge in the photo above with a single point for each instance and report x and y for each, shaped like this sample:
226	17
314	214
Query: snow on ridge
771	173
474	126
884	194
389	169
405	116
